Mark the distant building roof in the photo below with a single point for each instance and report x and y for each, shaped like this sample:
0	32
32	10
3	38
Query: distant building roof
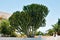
4	15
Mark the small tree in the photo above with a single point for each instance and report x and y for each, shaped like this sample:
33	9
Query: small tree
5	28
55	29
58	26
50	32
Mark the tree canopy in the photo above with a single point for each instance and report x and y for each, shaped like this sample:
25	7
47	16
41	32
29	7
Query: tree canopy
37	13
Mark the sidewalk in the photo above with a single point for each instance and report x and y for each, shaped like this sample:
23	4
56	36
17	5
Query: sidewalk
51	37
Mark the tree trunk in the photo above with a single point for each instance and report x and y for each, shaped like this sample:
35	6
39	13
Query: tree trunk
30	36
58	33
28	32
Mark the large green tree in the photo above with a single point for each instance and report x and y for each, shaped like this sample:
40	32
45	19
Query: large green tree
30	19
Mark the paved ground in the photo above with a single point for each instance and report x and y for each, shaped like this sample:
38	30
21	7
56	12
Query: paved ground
14	38
39	38
51	38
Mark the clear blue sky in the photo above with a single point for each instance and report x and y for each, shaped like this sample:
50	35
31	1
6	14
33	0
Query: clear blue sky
53	5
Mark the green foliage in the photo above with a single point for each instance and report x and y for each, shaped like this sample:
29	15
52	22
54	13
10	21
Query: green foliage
13	34
39	33
5	28
37	13
58	21
55	29
30	19
50	32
